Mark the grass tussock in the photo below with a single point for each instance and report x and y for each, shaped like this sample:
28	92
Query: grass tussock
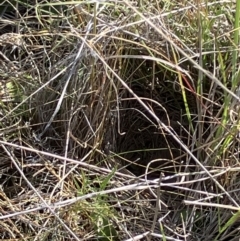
119	120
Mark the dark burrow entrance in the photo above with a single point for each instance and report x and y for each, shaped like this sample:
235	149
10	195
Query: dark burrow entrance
145	147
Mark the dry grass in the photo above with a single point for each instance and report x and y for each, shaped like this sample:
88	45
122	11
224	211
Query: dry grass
119	120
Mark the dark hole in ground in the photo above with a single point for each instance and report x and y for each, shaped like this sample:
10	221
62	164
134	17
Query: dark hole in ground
144	143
